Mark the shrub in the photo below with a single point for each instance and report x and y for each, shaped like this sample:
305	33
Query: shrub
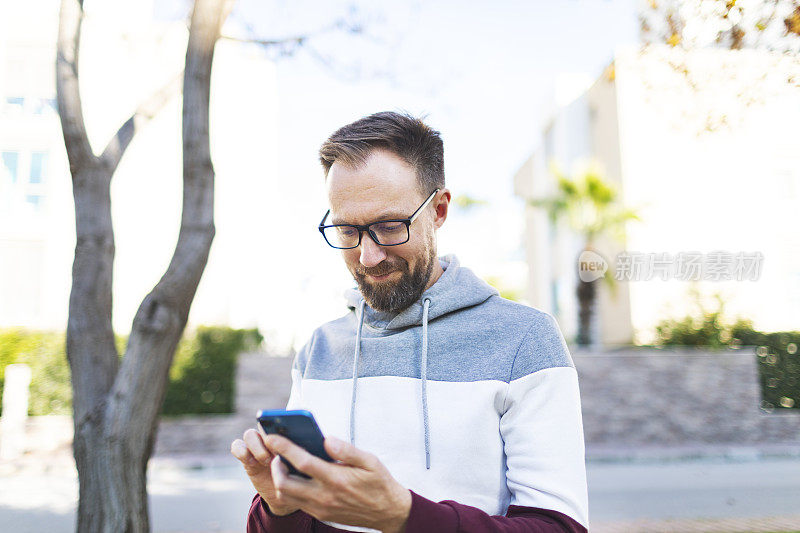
201	378
779	369
704	327
743	334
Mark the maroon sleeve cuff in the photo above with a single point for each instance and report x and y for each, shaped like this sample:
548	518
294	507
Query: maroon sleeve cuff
450	517
261	520
426	515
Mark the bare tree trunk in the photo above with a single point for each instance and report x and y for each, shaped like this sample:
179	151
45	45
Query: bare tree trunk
116	405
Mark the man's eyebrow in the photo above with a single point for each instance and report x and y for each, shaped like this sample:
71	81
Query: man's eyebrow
389	215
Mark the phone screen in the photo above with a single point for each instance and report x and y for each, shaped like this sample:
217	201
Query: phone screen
300	427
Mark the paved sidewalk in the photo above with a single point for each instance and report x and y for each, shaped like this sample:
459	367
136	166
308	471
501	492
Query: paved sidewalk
733	492
710	525
187	494
718	494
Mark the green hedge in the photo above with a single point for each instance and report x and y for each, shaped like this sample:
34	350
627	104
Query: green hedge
778	365
201	377
705	327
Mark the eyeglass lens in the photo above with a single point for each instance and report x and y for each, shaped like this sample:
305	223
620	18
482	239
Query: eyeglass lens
385	233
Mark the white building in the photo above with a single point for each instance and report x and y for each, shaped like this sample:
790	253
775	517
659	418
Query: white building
126	54
705	145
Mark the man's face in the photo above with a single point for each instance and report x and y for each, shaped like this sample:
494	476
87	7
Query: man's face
389	277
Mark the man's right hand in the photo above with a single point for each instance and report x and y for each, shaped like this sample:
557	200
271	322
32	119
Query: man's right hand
256	459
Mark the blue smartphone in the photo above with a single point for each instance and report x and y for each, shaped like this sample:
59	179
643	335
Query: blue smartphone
299	427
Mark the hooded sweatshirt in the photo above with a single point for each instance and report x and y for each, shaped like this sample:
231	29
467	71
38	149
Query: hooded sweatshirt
470	400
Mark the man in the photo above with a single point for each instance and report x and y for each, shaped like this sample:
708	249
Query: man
432	388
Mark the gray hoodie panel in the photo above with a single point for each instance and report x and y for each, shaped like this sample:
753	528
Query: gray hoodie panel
473	334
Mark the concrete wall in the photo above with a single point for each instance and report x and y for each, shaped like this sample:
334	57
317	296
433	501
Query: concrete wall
678	398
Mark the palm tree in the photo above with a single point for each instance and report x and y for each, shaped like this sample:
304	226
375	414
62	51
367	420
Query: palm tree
590	206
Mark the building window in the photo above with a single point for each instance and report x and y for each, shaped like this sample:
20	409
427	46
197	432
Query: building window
44	105
38	163
10	160
34	200
39	106
14	104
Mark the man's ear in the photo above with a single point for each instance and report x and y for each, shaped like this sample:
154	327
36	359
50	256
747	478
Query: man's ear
441	204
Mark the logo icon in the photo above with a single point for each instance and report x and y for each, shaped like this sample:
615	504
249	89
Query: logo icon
591	266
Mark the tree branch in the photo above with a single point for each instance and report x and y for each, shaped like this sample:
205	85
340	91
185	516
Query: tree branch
147	110
299	40
289	45
70	110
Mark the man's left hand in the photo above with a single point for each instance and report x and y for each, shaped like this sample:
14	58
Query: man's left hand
357	491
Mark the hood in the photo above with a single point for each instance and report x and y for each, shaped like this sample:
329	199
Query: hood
457	288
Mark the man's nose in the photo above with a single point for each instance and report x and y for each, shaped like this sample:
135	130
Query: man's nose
371	253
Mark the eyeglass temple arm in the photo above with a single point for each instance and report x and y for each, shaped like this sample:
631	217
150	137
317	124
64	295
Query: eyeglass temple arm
322	222
424	204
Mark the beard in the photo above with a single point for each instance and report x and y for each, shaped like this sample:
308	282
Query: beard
394	296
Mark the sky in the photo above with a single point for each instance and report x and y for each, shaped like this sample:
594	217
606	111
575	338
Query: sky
482	73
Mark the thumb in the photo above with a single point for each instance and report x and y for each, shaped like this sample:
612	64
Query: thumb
347	453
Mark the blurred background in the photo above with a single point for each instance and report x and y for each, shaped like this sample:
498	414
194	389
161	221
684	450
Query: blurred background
631	167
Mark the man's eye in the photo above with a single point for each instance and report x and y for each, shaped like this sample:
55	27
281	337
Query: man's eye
388	227
346	231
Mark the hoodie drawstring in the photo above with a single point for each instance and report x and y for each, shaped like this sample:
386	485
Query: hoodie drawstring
355	374
424	372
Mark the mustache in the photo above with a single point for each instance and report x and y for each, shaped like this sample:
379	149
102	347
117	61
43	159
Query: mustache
381	269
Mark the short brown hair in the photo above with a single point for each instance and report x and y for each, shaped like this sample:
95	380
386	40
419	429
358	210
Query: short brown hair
406	136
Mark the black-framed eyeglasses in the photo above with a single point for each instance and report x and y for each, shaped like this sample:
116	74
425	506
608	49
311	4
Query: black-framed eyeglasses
383	232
